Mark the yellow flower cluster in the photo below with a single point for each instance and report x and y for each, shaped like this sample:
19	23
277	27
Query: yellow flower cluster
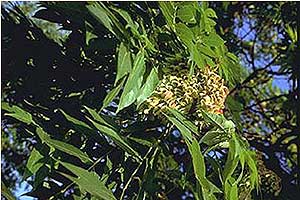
204	89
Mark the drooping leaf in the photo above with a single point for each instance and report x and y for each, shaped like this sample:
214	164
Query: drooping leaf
213	39
102	119
185	121
99	12
112	94
185	34
89	35
149	86
197	158
33	164
187	14
88	181
168	11
77	124
104	15
134	82
124	62
62	146
214	137
115	137
210	13
17	113
186	133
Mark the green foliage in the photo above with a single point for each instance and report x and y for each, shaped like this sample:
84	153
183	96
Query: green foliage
88	181
135	148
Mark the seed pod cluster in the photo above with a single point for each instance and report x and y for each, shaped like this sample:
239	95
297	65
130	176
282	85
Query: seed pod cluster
204	89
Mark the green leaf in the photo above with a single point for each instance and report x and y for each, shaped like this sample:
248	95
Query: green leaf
168	11
124	62
197	157
141	141
134	82
214	40
6	192
187	14
17	113
89	35
185	34
104	120
214	137
207	51
101	15
149	86
185	121
128	19
216	119
62	146
108	19
186	133
33	164
210	13
112	94
187	37
115	137
78	125
88	181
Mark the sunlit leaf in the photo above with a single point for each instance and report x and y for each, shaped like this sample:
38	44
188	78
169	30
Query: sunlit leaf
112	94
124	62
62	146
134	82
168	11
149	86
187	13
17	113
88	181
115	137
33	164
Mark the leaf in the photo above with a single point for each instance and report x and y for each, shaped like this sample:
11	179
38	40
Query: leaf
124	63
134	82
62	146
214	40
187	37
185	34
141	141
79	125
112	94
128	19
210	13
185	121
89	35
115	137
168	11
216	119
213	137
149	86
102	119
17	113
207	51
108	19
88	181
186	133
197	157
6	192
232	57
101	15
187	14
33	164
